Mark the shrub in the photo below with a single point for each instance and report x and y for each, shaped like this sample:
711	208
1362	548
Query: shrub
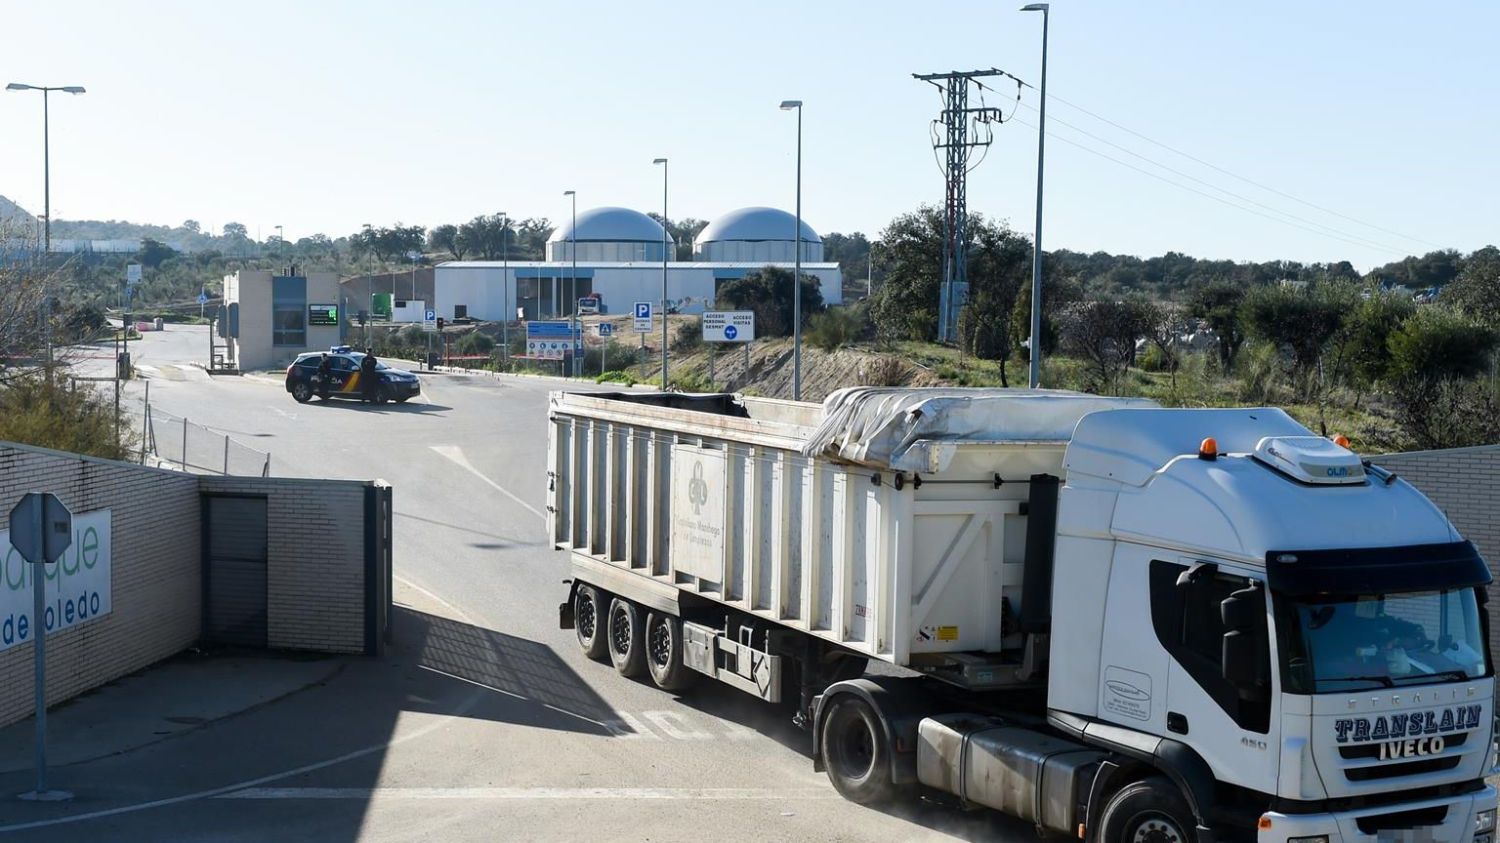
476	343
837	327
885	370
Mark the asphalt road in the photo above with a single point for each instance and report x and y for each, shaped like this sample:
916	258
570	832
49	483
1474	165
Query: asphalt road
487	723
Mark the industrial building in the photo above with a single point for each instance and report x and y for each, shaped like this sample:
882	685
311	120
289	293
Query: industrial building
270	319
619	260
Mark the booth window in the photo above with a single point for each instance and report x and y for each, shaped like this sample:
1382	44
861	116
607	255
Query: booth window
289	311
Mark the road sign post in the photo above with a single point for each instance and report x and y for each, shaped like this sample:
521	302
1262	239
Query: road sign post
606	331
641	322
41	528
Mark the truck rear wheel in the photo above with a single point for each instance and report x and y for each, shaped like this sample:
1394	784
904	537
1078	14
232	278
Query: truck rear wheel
625	634
1148	811
664	653
588	622
855	752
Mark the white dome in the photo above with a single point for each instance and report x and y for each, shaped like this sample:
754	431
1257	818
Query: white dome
616	225
756	234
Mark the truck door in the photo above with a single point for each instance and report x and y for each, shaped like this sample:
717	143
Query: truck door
1226	721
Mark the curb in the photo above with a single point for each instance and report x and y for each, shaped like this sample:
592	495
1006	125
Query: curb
457	370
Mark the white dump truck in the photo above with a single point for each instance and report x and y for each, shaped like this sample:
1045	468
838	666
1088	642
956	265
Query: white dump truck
1118	622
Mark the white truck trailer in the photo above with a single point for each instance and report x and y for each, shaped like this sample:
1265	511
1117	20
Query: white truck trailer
1120	623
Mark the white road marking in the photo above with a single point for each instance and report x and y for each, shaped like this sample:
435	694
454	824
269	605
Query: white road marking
626	727
459	614
554	793
456	454
674	726
283	413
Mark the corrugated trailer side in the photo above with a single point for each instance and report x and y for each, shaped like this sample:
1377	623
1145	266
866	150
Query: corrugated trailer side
800	541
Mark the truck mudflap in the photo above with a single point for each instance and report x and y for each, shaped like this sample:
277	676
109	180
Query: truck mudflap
1448	820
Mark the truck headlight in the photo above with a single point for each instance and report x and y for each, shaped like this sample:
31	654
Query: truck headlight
1484	821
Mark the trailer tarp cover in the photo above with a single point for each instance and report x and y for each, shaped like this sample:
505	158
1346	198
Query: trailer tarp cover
892	427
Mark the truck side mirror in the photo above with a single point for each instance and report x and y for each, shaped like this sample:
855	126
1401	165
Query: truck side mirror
1246	652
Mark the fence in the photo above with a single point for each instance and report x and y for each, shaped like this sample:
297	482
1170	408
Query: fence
194	447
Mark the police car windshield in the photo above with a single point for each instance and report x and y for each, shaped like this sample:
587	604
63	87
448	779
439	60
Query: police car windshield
1357	642
359	358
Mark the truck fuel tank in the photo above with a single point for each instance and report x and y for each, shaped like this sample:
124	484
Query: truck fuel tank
1028	774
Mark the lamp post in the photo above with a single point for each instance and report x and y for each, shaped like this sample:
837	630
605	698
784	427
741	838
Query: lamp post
573	281
510	309
665	239
46	191
788	105
1036	246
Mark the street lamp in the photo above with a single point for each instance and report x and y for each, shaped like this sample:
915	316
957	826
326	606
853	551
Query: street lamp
573	281
46	147
665	239
46	190
504	280
788	105
1036	246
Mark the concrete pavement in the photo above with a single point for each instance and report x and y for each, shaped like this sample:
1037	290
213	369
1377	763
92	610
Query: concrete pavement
486	722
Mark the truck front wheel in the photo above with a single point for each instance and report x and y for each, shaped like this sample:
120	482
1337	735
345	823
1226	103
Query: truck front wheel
664	653
855	752
1148	811
588	622
625	633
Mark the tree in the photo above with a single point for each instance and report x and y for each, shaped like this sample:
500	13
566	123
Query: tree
906	305
999	266
683	232
1102	333
236	231
1360	351
768	292
1476	292
446	238
1434	357
1299	319
1163	324
154	252
1058	291
1218	304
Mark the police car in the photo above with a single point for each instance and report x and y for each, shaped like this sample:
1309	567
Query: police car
344	376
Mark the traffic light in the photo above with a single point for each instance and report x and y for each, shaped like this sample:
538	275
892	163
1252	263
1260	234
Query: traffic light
440	323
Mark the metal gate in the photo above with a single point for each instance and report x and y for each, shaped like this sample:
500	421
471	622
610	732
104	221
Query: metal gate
234	570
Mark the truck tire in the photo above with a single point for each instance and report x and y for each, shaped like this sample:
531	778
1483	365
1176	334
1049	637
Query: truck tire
626	637
664	653
1148	811
855	752
588	622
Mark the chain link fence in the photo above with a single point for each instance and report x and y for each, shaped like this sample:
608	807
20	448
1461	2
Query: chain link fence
193	447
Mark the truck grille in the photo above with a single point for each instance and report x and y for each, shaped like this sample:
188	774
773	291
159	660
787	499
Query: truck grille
1396	769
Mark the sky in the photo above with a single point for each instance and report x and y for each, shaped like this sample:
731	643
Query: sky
1333	130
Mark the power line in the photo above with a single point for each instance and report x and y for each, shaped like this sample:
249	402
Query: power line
1235	175
1205	194
1374	244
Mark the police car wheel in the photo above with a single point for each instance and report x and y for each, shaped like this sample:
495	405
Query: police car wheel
302	392
382	395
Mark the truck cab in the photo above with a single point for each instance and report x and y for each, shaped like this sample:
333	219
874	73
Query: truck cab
1300	634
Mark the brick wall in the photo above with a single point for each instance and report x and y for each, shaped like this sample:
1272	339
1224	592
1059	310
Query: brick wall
1465	484
315	589
155	581
315	578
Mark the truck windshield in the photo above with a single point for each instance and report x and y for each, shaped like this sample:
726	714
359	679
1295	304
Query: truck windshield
1357	642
